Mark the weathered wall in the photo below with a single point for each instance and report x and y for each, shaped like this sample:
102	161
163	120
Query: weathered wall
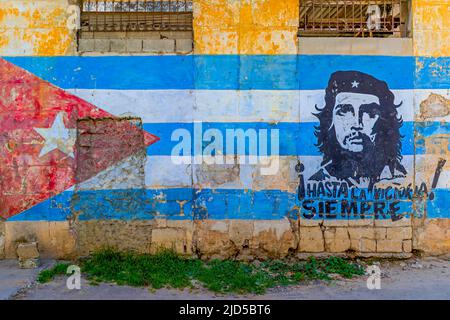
431	25
36	28
431	28
89	142
245	27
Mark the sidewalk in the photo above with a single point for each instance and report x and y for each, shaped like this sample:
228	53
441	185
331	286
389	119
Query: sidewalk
411	279
13	279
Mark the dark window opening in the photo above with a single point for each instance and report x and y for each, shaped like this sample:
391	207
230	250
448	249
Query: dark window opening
136	15
355	18
136	26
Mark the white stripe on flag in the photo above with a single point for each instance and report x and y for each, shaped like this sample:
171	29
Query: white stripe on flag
161	106
162	172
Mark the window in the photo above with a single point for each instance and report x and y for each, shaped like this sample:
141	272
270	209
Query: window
354	18
142	20
136	15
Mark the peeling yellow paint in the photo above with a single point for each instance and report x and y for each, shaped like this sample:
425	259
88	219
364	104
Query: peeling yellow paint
431	28
247	26
53	42
35	28
3	39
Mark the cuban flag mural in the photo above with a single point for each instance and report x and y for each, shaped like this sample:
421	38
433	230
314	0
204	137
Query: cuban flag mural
39	132
221	137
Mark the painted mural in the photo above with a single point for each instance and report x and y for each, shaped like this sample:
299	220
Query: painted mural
362	172
257	127
352	132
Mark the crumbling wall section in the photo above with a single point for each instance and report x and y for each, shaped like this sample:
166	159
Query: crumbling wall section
247	71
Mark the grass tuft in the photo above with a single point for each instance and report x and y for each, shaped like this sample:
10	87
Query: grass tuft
167	269
49	274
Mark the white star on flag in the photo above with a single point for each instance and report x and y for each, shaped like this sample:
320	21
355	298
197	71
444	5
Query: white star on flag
58	137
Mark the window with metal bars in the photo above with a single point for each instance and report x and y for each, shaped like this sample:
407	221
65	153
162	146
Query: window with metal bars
363	18
136	15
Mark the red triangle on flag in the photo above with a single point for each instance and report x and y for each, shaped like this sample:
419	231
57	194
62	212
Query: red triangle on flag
51	139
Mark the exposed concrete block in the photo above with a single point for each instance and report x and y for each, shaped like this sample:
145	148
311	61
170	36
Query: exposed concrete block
211	239
364	245
220	226
112	35
356	46
336	239
311	245
404	222
311	233
170	238
400	233
361	233
335	232
86	45
133	235
311	240
134	45
87	35
335	223
380	233
432	236
310	222
29	263
28	250
174	34
159	46
407	245
389	246
118	45
102	45
360	222
274	238
367	245
241	232
184	45
55	238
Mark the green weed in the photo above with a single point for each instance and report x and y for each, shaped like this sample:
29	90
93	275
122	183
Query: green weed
167	269
48	275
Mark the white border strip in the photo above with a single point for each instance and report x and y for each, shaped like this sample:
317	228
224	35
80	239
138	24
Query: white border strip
161	106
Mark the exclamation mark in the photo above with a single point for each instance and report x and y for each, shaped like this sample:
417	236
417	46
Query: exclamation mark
437	173
301	187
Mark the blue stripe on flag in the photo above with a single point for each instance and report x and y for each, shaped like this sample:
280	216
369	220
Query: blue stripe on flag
146	204
295	138
224	72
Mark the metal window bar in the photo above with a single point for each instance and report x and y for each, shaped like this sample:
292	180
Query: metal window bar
372	18
136	15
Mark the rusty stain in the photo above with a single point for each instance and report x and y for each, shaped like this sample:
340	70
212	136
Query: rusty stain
434	106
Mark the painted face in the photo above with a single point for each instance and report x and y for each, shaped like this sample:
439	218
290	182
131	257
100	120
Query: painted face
354	116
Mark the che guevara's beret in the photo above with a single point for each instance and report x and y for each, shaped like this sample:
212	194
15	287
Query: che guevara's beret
358	82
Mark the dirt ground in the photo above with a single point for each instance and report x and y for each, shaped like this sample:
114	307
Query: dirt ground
427	278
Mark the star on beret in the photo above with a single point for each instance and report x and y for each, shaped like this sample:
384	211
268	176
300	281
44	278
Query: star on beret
355	84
